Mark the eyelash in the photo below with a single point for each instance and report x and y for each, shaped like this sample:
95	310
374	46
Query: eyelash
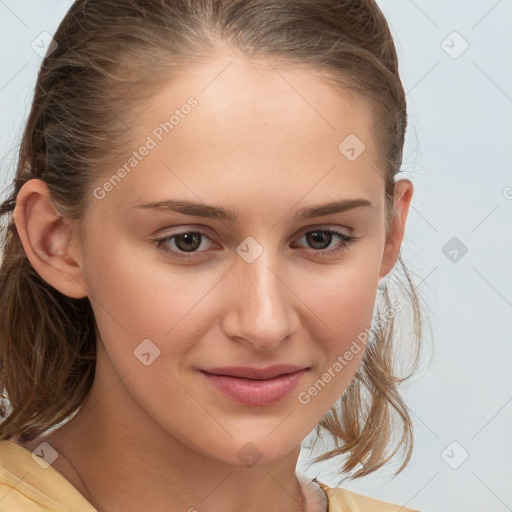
346	242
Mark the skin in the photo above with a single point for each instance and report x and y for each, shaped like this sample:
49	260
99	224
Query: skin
264	144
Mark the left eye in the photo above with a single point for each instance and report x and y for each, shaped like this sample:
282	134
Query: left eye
322	236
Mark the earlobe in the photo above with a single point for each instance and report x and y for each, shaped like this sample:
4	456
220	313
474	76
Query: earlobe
402	200
47	239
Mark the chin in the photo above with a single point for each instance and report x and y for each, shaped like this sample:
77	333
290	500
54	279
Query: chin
249	451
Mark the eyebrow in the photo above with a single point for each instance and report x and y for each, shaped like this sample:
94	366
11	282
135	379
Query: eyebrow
219	212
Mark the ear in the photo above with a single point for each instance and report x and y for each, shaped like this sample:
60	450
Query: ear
402	200
50	242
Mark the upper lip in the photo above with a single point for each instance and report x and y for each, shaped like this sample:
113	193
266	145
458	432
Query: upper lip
255	373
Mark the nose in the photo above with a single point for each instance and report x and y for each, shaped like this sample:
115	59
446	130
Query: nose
259	307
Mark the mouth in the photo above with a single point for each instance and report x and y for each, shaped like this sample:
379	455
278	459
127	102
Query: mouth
255	387
246	372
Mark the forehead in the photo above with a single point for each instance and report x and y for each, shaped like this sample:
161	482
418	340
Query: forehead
254	126
258	99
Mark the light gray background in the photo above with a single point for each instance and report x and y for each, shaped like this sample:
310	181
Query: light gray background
458	155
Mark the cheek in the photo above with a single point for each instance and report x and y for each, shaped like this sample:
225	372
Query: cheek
343	300
341	313
136	297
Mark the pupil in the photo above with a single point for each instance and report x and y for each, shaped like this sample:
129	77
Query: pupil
317	237
189	238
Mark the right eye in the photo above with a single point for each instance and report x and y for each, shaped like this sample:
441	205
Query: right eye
184	242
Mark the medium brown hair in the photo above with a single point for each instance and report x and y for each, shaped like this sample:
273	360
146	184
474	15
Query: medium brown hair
111	55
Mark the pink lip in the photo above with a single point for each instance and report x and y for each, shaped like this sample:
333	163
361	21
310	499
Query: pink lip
255	387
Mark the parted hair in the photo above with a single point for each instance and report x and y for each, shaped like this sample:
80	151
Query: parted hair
110	57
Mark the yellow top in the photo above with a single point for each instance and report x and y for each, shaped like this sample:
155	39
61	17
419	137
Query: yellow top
29	484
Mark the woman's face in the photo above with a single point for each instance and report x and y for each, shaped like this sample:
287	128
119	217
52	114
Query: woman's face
259	280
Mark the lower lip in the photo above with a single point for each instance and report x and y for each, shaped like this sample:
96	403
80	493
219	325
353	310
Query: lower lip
256	393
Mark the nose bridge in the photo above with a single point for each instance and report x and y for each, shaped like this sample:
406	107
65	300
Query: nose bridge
260	309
